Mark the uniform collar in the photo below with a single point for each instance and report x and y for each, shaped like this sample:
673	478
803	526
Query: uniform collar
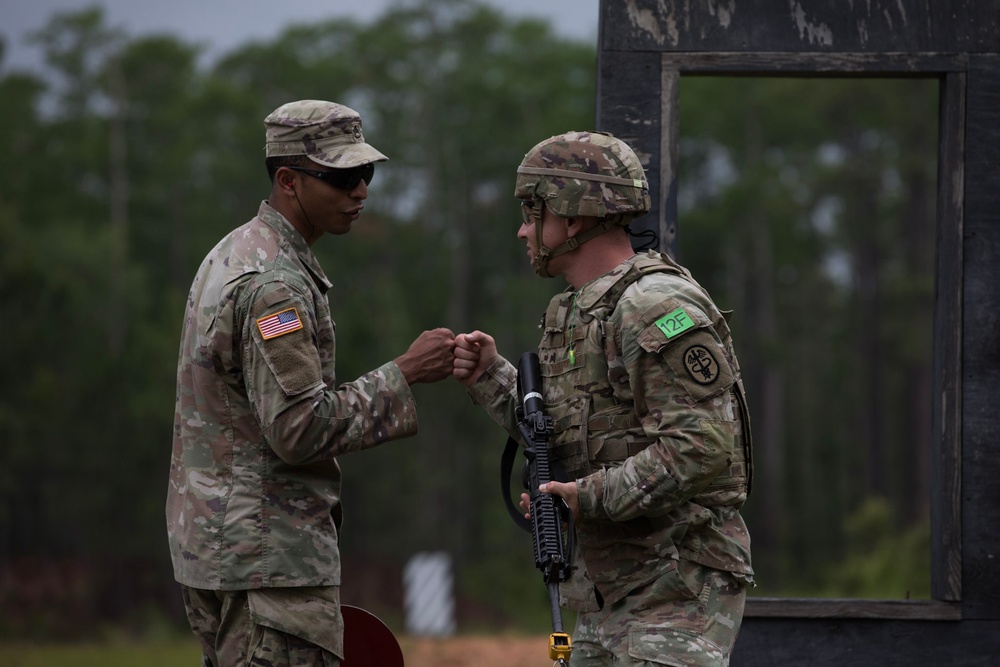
291	238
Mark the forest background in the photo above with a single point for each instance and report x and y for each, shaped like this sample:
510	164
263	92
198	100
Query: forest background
806	206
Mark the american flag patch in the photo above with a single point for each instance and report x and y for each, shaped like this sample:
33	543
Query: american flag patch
279	324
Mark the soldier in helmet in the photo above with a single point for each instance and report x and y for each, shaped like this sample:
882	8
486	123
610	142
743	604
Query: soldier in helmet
253	503
650	421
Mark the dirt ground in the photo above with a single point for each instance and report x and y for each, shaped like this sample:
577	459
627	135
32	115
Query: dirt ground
498	651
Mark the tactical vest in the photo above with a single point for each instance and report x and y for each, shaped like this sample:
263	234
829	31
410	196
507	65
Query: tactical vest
590	401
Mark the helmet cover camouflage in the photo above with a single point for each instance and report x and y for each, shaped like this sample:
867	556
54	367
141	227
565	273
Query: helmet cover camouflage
585	174
326	132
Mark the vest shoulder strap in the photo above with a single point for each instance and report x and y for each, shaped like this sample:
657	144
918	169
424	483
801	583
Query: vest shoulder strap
649	263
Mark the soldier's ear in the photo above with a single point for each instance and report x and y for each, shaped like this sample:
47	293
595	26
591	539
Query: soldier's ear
286	179
577	225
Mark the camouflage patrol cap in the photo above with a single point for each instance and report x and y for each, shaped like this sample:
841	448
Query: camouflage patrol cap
326	132
585	173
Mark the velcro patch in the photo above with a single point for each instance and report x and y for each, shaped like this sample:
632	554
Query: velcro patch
279	324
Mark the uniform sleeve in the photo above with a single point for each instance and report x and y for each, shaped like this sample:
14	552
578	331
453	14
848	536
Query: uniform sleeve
496	392
302	418
680	378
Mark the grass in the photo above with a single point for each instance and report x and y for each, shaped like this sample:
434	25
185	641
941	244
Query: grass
482	651
172	653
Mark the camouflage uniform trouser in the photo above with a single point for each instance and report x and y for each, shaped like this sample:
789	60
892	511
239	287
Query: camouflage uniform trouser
689	616
268	627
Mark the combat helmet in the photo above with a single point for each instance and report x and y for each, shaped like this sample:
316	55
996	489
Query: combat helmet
581	174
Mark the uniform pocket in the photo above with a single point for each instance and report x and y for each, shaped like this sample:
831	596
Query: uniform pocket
693	632
684	337
675	585
312	614
566	449
674	646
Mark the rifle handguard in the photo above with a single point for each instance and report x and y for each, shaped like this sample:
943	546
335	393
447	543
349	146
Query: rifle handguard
550	515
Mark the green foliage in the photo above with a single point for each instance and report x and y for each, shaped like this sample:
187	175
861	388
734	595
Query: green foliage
882	558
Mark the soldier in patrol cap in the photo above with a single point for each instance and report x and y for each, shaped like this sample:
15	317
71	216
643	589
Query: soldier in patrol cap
253	505
650	422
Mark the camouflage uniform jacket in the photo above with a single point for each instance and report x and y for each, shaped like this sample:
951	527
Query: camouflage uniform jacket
649	417
254	492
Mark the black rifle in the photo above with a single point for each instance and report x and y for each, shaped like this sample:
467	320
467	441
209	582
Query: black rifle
550	516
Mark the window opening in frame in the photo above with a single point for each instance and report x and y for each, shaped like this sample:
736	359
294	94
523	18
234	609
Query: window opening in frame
808	206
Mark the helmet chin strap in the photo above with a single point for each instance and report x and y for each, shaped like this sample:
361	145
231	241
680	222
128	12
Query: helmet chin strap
540	261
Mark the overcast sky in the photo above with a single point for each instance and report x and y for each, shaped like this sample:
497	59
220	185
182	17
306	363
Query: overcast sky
222	25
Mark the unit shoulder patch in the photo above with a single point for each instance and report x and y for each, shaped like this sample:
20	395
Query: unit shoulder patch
701	364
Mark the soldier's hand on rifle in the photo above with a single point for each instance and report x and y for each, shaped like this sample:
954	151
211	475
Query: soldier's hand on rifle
565	490
474	353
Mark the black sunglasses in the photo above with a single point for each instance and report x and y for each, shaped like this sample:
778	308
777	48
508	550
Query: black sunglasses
344	179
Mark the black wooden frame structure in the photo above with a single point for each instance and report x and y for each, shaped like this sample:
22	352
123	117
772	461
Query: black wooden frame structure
645	46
